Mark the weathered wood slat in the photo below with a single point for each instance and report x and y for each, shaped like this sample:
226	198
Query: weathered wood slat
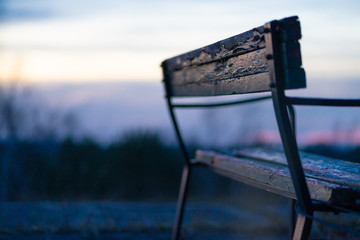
246	84
275	177
242	43
239	44
320	167
242	65
240	60
258	82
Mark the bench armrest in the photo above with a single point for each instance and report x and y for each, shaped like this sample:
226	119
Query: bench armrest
323	102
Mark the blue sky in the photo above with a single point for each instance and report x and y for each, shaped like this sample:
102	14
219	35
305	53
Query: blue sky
113	40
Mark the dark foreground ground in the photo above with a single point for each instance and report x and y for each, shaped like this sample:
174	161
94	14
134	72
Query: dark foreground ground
122	220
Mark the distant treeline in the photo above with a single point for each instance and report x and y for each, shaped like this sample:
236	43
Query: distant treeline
139	166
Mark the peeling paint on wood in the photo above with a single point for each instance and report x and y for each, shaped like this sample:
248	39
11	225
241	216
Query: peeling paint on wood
240	44
241	59
246	84
243	65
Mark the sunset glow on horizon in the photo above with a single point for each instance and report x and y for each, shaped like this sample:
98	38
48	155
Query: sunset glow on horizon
64	41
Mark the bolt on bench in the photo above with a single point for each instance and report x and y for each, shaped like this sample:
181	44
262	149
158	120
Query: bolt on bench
264	59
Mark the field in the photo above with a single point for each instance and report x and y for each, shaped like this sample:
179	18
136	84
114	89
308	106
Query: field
257	215
125	220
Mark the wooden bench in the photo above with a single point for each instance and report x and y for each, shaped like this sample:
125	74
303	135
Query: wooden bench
264	59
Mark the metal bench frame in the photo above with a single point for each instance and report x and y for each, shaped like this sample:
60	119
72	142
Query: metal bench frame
285	116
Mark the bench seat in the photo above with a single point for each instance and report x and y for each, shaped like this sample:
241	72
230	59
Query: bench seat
330	180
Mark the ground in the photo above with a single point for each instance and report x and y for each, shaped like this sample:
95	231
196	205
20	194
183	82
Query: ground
129	220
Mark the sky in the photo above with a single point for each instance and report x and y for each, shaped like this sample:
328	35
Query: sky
69	41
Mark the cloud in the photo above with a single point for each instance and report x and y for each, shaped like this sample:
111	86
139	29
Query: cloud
22	11
159	29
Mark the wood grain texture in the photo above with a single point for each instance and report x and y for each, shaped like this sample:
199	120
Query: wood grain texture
240	44
236	85
273	175
235	65
315	166
258	82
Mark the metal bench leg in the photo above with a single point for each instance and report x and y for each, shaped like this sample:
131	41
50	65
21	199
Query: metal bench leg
303	227
292	217
181	202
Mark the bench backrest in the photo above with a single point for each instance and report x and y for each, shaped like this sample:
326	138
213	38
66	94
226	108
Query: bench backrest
245	63
266	58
